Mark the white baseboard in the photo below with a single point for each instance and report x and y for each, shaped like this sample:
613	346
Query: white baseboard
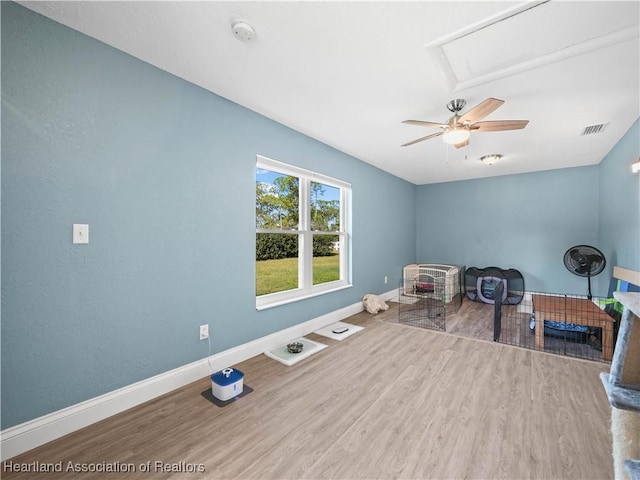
390	295
28	435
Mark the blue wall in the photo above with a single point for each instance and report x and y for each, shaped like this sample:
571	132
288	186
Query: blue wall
619	227
526	222
164	174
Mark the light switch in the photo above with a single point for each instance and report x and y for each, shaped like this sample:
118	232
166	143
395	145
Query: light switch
80	233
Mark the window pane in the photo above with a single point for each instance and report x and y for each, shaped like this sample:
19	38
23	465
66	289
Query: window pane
276	262
277	200
326	258
325	208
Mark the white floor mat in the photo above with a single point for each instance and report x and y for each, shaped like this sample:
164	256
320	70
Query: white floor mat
282	355
329	331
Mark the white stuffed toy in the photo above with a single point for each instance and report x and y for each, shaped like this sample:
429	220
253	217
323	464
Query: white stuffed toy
373	303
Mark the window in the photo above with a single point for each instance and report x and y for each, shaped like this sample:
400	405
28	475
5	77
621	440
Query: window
302	237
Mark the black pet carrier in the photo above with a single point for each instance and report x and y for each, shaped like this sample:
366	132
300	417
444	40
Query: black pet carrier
481	283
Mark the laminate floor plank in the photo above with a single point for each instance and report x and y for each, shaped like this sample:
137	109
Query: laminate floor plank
335	409
391	401
442	430
571	438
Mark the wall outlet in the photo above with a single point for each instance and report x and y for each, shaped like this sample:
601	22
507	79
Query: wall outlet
204	331
385	279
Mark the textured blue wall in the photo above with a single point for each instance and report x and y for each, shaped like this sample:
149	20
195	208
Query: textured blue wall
526	222
163	172
620	205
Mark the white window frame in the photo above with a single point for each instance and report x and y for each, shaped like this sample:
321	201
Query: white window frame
306	289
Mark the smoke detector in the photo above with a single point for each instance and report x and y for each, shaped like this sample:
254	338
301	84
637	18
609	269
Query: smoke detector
243	31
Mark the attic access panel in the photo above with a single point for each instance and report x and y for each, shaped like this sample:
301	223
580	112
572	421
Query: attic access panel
530	36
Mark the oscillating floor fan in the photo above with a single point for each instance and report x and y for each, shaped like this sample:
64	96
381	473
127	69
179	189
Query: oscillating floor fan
584	261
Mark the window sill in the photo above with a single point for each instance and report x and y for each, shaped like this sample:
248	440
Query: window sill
264	305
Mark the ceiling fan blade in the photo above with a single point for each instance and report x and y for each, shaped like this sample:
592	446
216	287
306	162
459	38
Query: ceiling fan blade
437	134
421	123
498	125
480	111
461	144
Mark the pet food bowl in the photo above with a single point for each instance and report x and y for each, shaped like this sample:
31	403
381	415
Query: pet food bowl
294	347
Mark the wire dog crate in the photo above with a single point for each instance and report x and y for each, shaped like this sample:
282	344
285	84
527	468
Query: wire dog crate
427	292
424	308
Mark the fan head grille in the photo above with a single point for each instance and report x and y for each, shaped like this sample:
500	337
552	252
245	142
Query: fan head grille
584	260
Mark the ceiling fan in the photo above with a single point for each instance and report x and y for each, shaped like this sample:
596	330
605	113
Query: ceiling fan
458	128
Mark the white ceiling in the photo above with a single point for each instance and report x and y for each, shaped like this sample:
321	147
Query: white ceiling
348	73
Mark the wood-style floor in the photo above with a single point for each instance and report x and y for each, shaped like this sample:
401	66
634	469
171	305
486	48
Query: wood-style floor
391	401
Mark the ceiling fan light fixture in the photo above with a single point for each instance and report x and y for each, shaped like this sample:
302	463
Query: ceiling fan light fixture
455	135
490	159
457	129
